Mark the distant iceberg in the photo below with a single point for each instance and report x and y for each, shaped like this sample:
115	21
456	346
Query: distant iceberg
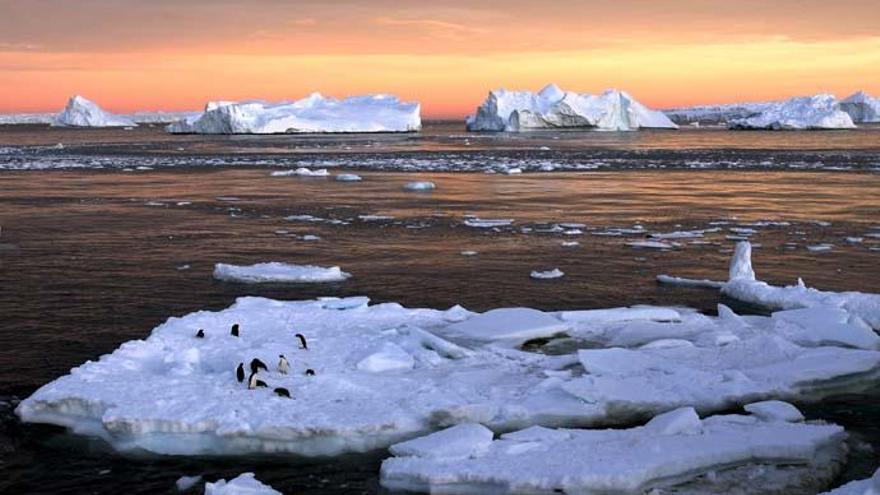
313	114
861	107
821	111
81	112
553	108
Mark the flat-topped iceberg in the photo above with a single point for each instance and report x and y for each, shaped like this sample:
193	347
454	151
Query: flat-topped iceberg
721	454
278	272
862	107
799	113
553	108
313	114
81	112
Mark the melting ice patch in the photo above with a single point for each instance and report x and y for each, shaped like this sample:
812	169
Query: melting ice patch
279	272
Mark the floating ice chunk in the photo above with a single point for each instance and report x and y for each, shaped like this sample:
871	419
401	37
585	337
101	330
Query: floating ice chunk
552	107
650	245
419	186
469	253
81	112
774	410
635	460
513	171
517	324
808	112
315	113
278	272
481	223
244	484
570	243
554	273
184	483
348	178
689	282
679	234
390	357
301	172
457	442
818	248
870	486
375	218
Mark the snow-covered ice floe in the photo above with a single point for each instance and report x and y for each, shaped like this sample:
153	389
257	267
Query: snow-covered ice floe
861	107
487	223
81	112
313	114
301	172
244	484
804	112
870	486
672	450
547	274
420	186
553	108
278	272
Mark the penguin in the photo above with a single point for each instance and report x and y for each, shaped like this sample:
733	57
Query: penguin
302	341
254	382
234	331
310	372
282	392
283	365
200	334
239	372
256	364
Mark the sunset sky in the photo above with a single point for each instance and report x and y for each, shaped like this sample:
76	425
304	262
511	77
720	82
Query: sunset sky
177	54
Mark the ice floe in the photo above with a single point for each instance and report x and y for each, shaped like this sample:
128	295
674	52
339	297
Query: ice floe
672	449
184	483
486	223
81	112
348	178
553	108
279	273
548	274
244	484
301	172
806	112
313	114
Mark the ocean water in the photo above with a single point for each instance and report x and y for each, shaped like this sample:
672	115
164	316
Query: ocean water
93	257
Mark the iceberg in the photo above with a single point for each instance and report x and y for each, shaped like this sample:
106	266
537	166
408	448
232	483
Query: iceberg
673	450
861	107
81	112
553	108
275	272
244	484
799	113
313	114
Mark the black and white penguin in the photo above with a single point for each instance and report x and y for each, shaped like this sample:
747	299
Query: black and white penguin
283	365
282	392
302	341
234	331
200	334
310	372
239	372
257	365
254	382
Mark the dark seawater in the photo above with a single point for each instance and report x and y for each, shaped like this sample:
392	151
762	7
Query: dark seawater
90	259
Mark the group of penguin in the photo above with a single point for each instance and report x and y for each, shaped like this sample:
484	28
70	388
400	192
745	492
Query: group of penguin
257	365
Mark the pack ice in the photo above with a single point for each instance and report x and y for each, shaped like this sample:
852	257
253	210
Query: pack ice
803	112
81	112
675	450
313	114
553	108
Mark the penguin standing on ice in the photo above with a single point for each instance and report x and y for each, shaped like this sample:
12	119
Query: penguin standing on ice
257	365
239	372
302	341
282	392
283	365
200	334
254	382
234	331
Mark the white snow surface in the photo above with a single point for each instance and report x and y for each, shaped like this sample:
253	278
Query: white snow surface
244	484
861	107
81	112
803	112
312	114
671	449
279	273
553	108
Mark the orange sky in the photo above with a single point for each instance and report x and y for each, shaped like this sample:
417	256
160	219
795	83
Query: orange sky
169	54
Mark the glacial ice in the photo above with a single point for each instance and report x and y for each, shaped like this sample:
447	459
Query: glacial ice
553	108
672	449
81	112
803	112
244	484
861	107
279	273
313	114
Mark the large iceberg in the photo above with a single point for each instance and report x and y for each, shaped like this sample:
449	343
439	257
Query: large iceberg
821	111
553	108
313	114
719	454
81	112
862	107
